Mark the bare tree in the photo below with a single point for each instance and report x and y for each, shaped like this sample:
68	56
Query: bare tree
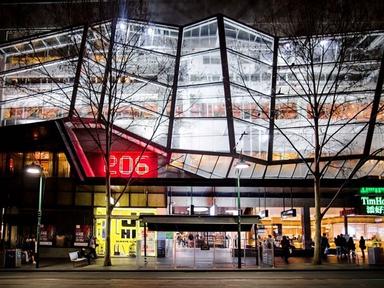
325	94
121	79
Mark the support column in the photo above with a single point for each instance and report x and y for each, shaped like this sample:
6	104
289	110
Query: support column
306	227
345	222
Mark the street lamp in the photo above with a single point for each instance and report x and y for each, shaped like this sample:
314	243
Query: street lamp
36	169
239	166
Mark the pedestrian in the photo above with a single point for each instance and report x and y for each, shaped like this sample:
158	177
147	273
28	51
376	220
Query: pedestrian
92	244
31	243
324	245
269	242
338	246
362	246
351	248
190	240
343	245
286	246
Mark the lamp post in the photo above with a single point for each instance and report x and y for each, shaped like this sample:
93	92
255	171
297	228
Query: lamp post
239	166
36	169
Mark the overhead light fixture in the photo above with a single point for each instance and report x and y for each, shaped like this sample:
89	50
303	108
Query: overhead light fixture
241	164
288	213
122	25
263	213
212	210
151	31
231	211
198	209
33	169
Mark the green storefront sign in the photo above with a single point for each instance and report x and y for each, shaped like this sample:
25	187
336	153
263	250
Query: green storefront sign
370	199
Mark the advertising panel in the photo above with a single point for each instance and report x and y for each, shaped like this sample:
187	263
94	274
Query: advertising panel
82	235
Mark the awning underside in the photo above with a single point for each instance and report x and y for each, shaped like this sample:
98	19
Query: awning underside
198	223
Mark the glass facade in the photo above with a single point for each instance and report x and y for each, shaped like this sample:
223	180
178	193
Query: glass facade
208	93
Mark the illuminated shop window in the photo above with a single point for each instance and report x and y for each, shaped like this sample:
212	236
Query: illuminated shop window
44	159
64	169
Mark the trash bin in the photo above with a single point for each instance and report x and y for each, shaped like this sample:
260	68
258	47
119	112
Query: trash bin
12	258
374	255
2	259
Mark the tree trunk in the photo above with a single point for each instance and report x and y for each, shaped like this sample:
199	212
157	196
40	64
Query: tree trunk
317	253
108	212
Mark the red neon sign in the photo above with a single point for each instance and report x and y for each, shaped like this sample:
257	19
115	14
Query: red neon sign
124	164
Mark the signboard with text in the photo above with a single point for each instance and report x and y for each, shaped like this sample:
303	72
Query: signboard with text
372	199
124	164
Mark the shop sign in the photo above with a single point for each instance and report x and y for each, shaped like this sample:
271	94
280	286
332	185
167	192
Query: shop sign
371	190
124	164
373	203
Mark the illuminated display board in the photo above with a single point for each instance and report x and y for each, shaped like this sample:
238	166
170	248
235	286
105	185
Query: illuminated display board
126	232
372	198
124	164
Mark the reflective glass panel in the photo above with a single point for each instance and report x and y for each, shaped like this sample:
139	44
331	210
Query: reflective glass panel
378	137
250	106
200	68
222	166
144	64
378	170
159	38
251	139
50	48
366	168
326	78
153	129
258	171
347	168
249	73
192	162
201	135
199	37
200	101
333	169
248	41
272	171
207	164
301	171
39	94
345	140
287	170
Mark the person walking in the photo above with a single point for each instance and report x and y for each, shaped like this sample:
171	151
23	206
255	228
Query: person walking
338	246
286	245
324	244
351	248
92	247
362	246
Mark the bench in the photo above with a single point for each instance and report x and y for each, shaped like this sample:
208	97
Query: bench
77	262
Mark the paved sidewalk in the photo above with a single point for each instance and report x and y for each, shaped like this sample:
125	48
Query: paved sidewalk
165	264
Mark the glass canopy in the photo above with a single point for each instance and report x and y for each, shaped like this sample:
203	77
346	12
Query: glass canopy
209	92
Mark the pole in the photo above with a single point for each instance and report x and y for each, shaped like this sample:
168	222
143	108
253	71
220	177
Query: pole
145	243
39	214
238	222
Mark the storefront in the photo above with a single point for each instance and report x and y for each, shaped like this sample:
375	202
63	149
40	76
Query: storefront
127	232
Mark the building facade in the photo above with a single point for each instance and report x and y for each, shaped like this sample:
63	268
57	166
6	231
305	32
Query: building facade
186	103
